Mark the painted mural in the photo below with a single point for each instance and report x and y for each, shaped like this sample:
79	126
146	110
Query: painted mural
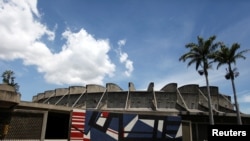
106	126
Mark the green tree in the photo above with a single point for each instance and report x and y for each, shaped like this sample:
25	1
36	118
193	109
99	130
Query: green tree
8	78
200	54
228	56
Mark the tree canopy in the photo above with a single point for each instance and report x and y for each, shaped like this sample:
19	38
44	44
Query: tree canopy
9	78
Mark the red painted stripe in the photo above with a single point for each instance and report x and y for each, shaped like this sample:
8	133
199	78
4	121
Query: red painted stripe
112	131
78	126
78	114
77	122
76	135
105	114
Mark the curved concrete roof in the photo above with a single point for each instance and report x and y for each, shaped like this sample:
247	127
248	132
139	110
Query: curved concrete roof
171	87
151	87
213	89
113	87
131	86
190	88
95	88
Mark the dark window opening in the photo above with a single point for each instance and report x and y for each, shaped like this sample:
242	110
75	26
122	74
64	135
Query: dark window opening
57	126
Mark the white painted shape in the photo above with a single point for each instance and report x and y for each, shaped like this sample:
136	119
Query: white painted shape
179	132
130	125
148	122
101	121
160	125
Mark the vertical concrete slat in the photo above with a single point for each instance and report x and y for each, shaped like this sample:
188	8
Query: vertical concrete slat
97	106
127	99
54	93
79	98
61	97
182	100
44	126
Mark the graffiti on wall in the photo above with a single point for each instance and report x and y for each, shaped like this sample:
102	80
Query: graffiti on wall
107	126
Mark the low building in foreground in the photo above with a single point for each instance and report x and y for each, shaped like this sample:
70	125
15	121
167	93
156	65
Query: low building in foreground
94	113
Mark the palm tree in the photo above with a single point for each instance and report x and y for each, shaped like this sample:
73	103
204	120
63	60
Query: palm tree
200	54
227	56
8	78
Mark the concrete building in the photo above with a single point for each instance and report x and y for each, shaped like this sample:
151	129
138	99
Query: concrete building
92	111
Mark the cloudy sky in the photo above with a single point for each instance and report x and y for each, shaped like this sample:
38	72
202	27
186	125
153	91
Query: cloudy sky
61	43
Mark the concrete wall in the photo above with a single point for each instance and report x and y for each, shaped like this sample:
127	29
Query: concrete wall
8	96
116	99
190	94
166	100
225	101
92	99
76	89
49	93
38	97
141	100
61	91
112	96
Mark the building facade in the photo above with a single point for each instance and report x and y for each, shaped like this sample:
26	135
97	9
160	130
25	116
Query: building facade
93	111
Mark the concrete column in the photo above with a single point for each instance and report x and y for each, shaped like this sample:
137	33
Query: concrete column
44	126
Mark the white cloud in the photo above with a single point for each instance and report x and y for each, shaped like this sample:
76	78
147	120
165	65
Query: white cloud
18	28
121	42
124	58
83	59
245	98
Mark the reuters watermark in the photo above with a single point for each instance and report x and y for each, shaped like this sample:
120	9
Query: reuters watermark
241	132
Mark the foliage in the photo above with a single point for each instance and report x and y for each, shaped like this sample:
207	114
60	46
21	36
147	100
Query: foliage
227	56
8	78
205	52
201	54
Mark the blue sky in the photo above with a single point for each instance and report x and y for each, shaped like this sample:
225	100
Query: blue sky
61	43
